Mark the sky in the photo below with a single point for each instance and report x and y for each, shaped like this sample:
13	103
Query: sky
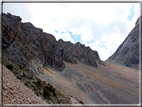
101	26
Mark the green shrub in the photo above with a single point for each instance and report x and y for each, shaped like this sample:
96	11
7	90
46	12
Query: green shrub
36	93
40	88
43	82
30	77
34	82
51	88
46	92
35	89
18	77
54	94
32	85
26	84
21	67
81	102
27	75
10	67
39	82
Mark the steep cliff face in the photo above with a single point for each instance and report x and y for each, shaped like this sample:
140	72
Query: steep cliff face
79	51
29	46
128	52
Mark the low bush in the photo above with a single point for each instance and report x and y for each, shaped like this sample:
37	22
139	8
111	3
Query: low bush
39	82
54	94
36	93
81	102
51	88
26	84
46	92
18	77
9	66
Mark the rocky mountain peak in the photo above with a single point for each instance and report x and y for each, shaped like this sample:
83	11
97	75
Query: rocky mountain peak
139	20
60	41
13	17
78	44
26	45
128	52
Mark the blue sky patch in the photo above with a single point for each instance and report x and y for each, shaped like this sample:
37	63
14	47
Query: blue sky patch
63	32
102	44
76	38
56	31
132	13
91	41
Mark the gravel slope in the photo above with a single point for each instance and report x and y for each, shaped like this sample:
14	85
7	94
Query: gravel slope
15	92
109	84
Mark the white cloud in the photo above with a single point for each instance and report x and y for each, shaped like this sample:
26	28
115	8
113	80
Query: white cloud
112	41
106	22
19	9
86	35
137	11
103	52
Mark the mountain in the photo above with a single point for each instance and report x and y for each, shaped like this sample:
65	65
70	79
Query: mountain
73	69
32	45
128	52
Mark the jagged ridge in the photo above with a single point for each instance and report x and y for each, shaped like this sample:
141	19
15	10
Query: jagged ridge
27	46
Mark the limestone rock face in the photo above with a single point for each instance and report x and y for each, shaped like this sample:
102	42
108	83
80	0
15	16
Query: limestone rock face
24	44
128	52
32	48
67	56
79	51
85	54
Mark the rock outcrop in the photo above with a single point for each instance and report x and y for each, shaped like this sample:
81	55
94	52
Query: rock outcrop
22	43
29	46
128	52
85	54
79	51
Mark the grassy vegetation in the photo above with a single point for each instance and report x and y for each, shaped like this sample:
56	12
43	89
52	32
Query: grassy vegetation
40	88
